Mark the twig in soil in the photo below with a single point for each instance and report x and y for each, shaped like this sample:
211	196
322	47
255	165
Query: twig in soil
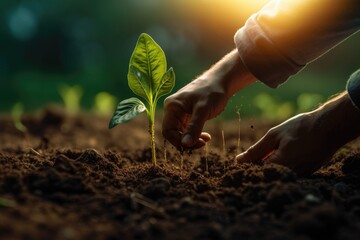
224	146
181	158
181	161
206	158
33	151
238	150
137	198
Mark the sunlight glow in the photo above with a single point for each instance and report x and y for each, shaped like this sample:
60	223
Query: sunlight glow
226	11
220	18
236	7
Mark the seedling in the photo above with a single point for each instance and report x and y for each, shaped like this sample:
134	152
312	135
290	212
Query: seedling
148	78
104	103
16	113
71	96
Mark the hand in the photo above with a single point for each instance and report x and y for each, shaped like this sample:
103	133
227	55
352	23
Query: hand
307	141
300	143
186	111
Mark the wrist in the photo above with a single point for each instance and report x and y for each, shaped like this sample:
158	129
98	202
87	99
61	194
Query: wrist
231	74
339	119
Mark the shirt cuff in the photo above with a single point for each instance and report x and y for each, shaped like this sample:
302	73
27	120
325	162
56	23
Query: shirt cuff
353	88
263	59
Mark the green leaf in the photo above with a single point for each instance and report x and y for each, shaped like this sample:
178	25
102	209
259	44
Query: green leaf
127	110
139	82
166	84
150	59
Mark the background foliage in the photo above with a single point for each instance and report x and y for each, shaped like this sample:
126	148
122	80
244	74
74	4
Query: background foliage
77	52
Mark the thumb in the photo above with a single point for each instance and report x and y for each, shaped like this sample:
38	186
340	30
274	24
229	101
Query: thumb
260	150
276	157
194	128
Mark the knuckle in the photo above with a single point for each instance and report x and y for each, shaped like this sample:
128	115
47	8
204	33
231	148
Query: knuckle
201	106
168	101
172	102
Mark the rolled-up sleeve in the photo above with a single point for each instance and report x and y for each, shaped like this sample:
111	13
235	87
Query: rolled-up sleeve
284	36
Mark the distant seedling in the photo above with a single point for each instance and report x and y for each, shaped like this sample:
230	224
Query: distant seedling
148	78
104	103
16	113
71	96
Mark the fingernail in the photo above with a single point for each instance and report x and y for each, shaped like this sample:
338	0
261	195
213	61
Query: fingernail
187	140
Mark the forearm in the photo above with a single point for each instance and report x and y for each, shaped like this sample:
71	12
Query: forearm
231	73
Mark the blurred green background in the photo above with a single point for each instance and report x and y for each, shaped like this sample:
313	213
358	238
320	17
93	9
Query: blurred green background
76	53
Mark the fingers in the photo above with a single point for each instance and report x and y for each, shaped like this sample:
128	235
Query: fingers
202	140
281	158
194	127
205	136
174	122
260	150
177	121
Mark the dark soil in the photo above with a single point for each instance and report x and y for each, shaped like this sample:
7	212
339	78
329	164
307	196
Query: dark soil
69	177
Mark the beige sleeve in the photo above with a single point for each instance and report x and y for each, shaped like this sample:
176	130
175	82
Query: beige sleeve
285	35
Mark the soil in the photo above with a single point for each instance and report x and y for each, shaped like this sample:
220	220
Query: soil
69	177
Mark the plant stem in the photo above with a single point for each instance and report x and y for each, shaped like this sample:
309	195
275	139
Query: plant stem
152	135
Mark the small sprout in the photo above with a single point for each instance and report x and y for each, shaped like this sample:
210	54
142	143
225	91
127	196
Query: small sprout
71	96
149	78
238	150
16	112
